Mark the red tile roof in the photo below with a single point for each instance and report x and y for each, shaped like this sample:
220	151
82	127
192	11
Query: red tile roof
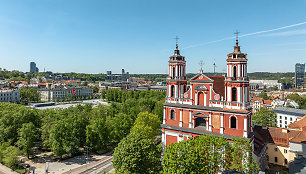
218	84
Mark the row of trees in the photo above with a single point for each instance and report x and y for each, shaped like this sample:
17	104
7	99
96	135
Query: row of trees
69	131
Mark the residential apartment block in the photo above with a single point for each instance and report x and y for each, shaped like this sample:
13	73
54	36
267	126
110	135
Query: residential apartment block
285	116
10	95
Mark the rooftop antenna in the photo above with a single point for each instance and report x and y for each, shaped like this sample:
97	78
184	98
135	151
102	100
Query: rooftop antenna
201	63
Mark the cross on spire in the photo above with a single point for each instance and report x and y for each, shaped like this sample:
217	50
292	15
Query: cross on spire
176	39
237	33
201	63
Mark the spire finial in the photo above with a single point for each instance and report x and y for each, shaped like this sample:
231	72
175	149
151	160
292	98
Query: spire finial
176	39
237	33
201	63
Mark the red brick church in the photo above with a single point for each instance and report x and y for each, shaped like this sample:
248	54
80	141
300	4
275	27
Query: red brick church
214	105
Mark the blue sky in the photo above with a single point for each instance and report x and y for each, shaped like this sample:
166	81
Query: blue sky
94	36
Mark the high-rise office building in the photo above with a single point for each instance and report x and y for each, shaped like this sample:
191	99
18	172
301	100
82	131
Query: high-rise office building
32	67
299	74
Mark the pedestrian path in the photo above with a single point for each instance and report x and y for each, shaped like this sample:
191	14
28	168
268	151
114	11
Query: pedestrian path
6	170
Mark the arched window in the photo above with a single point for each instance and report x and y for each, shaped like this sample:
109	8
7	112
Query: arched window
172	91
200	122
200	98
234	94
172	115
235	72
233	122
173	71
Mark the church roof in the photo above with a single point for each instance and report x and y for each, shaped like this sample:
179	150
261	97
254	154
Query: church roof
218	84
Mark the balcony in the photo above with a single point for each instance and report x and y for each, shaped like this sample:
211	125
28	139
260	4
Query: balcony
187	101
237	79
229	104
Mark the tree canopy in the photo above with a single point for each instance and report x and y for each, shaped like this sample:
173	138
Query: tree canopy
264	117
300	100
137	154
264	96
209	154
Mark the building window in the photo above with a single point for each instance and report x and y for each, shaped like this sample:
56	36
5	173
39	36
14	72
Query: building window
285	151
173	71
285	118
233	122
280	121
290	118
172	115
235	72
172	91
234	94
280	117
275	159
200	122
285	122
286	161
280	125
275	149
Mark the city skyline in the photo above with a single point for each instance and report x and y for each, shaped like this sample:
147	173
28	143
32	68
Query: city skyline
99	36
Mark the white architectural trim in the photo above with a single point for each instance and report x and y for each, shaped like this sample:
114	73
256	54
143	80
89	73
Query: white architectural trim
245	128
190	119
222	125
181	118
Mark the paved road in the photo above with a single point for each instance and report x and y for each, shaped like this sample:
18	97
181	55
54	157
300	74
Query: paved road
106	166
94	167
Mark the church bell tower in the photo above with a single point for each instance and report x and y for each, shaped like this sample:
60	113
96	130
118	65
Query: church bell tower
176	81
237	82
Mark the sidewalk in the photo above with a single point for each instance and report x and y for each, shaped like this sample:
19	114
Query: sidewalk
6	170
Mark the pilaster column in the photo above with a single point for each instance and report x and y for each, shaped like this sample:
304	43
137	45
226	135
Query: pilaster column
222	125
245	127
190	120
164	116
210	119
181	118
205	99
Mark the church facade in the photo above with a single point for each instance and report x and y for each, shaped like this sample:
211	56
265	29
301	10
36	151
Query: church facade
214	105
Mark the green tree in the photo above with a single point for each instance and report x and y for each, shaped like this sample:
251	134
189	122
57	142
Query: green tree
264	117
11	154
146	124
300	100
209	154
121	125
28	135
29	95
264	96
95	89
97	134
137	154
